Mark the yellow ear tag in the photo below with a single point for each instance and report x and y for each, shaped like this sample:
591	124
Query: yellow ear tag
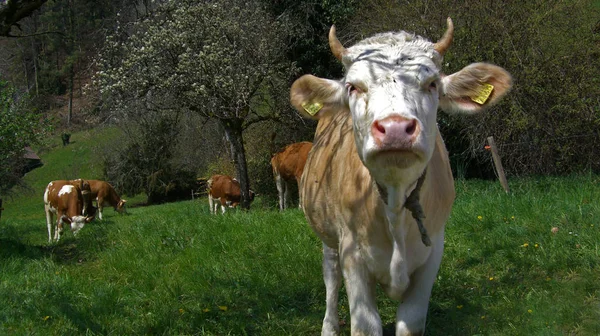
484	93
312	108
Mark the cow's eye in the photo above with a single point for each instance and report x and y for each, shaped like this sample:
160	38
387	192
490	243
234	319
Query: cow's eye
433	86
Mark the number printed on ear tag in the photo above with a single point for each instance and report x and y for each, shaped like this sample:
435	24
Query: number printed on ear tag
484	93
312	108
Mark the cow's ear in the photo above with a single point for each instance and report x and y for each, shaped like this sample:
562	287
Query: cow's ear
89	219
313	96
474	88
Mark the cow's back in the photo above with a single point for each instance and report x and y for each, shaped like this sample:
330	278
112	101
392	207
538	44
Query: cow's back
60	202
224	186
290	162
103	189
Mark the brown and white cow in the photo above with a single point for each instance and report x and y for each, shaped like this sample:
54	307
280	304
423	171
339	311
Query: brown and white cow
65	200
105	195
224	190
376	147
288	166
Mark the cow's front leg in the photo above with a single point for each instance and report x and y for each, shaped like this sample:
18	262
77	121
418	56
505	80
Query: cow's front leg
360	287
412	312
211	205
280	191
332	276
49	222
287	194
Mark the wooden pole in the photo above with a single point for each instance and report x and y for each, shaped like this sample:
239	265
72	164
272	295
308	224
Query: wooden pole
498	164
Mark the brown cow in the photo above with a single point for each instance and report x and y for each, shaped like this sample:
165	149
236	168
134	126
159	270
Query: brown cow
226	190
288	165
65	200
377	187
105	195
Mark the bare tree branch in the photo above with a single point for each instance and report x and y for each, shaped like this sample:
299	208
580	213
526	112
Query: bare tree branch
13	11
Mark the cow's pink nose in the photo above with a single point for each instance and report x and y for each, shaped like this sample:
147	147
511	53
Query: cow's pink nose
395	132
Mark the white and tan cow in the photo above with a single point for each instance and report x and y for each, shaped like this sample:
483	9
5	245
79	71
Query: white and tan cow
65	200
226	191
105	195
288	166
377	187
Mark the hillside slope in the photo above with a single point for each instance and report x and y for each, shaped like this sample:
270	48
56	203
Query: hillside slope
79	159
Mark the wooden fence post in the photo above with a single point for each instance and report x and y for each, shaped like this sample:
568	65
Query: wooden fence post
498	164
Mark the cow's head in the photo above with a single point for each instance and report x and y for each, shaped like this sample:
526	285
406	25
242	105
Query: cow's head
77	222
120	208
392	88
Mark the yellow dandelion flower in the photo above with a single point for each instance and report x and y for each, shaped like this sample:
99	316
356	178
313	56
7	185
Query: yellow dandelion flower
536	245
548	279
459	306
45	318
205	310
479	217
223	308
483	317
491	278
181	311
529	311
512	217
525	245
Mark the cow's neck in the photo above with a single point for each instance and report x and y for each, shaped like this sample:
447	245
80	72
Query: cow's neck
397	199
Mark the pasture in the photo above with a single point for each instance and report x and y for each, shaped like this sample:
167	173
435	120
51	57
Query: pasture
174	269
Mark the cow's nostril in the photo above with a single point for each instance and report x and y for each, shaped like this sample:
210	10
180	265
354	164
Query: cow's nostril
411	127
379	127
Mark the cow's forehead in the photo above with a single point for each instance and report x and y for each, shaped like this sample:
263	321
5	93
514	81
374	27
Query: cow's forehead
393	51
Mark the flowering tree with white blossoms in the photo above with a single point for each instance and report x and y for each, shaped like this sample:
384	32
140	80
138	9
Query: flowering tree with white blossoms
224	60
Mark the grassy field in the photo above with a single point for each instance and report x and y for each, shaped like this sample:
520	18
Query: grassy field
174	269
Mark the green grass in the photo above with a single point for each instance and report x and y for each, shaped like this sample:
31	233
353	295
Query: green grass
174	269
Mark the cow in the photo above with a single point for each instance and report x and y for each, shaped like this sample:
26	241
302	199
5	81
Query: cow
225	190
288	166
65	200
105	195
377	186
84	186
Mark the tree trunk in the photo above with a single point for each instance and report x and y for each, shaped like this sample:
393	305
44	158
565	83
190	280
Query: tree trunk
71	62
71	76
233	129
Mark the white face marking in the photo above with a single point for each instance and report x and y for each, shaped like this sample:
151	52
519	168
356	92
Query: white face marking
77	222
66	189
393	79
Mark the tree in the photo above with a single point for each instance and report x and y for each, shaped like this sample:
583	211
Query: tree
13	11
223	60
19	127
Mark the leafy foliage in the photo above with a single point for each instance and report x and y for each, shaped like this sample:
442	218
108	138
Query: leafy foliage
19	127
223	60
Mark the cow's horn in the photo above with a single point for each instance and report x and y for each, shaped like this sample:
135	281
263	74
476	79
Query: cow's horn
336	46
444	43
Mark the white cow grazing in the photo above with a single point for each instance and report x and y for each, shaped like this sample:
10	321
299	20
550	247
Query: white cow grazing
377	186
